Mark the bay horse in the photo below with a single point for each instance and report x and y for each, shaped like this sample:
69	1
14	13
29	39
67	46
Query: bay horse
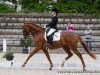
68	41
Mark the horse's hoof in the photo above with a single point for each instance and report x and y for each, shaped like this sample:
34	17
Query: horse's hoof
50	68
23	65
84	70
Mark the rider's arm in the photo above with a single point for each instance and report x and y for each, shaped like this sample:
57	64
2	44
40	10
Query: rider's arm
53	22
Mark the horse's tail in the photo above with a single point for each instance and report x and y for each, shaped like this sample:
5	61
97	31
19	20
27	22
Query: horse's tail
86	48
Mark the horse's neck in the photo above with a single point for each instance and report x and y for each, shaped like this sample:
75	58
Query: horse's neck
35	28
38	34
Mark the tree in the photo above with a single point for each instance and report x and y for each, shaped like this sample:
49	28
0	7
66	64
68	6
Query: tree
13	1
97	2
4	8
64	6
35	5
26	3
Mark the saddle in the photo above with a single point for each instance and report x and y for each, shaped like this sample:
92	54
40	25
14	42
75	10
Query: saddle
55	36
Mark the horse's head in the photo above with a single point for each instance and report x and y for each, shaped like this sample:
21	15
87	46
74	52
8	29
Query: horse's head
26	30
30	27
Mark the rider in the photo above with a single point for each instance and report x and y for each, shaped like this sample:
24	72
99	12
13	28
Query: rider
52	27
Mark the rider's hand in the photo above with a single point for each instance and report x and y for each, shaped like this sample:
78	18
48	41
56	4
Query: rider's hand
44	26
47	26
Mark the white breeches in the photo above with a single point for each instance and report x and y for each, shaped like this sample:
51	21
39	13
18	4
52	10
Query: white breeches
51	31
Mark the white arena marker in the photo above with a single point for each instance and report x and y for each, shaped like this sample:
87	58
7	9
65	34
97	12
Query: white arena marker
4	45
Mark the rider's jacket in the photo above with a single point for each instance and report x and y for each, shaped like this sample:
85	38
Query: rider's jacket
53	23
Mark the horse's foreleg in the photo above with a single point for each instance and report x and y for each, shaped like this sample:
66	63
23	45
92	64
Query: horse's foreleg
67	50
30	55
48	57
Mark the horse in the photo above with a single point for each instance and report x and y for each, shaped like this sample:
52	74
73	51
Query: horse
68	41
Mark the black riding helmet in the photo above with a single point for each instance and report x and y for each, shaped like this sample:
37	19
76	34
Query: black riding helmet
55	10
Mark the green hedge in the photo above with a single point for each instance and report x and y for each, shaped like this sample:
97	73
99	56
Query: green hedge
65	6
4	8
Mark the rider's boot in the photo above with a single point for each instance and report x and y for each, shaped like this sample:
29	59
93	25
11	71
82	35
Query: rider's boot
49	42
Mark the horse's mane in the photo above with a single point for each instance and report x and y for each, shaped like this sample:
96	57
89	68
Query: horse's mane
34	25
38	26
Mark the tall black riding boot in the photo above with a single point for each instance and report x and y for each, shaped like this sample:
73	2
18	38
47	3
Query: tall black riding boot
49	42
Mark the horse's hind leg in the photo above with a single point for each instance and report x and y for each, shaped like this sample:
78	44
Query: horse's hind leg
74	49
48	57
67	50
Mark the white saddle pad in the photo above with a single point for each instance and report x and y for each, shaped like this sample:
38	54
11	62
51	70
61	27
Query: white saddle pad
56	36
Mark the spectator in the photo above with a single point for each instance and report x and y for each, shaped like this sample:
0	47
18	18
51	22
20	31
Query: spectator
88	33
70	27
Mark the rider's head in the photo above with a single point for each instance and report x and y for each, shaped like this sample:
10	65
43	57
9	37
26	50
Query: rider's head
55	12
